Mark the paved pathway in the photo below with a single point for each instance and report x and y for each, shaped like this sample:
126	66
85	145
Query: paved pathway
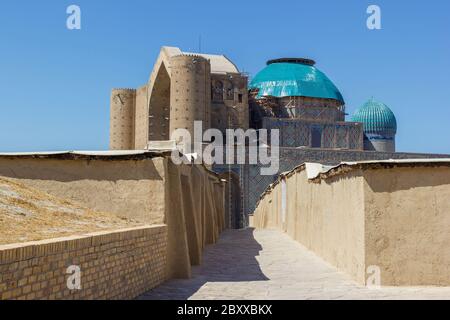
267	264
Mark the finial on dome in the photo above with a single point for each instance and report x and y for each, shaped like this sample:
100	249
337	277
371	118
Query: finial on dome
308	62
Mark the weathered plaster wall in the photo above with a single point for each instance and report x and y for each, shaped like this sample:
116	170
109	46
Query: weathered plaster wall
407	224
331	220
395	218
194	215
316	216
188	198
128	188
255	184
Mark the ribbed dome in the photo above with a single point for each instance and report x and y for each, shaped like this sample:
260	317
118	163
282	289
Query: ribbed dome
376	117
294	77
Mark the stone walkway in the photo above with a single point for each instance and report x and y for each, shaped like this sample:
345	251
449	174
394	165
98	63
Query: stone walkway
267	264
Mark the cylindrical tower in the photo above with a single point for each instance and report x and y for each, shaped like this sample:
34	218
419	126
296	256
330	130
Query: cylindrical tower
380	126
122	110
189	93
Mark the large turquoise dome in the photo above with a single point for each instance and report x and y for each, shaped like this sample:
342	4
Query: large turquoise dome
294	77
376	117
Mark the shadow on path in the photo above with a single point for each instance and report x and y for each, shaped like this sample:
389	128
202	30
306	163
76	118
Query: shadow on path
231	259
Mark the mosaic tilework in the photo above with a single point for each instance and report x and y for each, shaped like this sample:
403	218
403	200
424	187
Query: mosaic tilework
297	133
341	137
328	137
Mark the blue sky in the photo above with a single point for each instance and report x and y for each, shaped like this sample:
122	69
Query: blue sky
55	83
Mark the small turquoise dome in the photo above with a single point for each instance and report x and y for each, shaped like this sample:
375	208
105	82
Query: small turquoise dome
376	117
294	77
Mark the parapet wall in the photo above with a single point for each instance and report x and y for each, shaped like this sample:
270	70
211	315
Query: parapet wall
326	218
142	185
292	157
407	223
113	265
394	217
132	189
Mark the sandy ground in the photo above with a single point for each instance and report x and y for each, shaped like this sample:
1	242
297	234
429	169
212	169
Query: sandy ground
27	214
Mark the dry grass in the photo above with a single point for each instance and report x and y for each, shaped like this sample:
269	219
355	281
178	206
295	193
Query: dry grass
28	214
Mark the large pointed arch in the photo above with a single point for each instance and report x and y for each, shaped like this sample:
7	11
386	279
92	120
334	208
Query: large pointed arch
159	105
159	96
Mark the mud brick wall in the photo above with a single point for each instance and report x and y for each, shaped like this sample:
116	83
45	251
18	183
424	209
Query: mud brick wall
113	265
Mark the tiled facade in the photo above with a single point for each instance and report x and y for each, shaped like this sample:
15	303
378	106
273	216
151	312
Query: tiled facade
299	133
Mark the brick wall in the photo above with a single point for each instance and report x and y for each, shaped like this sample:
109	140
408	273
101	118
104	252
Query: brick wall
113	265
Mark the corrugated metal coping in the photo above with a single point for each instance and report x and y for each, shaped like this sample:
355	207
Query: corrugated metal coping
328	171
101	155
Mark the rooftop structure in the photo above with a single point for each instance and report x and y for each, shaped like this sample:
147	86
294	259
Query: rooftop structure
380	125
290	95
376	117
294	77
220	64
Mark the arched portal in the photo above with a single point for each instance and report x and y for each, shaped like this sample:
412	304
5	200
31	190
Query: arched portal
159	106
